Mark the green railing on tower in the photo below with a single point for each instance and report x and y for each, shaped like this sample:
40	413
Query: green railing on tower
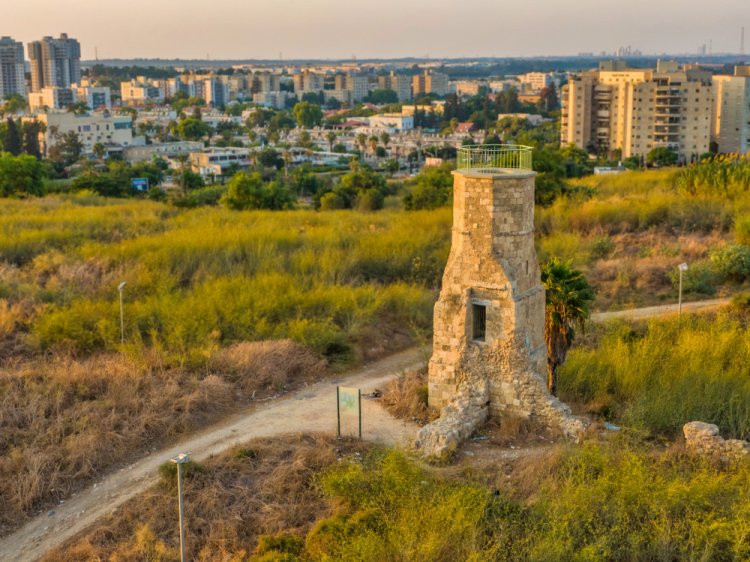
491	158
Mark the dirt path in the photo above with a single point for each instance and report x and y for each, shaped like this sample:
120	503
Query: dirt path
651	311
311	409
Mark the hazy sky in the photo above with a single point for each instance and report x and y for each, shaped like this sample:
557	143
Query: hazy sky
377	28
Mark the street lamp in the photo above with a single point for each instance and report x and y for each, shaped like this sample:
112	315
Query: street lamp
179	460
120	287
682	267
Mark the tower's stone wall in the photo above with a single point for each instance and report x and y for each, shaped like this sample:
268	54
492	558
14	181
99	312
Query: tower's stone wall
492	267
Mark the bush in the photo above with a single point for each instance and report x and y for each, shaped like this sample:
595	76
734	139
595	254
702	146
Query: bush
700	278
732	262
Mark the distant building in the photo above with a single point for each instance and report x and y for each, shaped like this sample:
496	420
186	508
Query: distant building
141	90
731	111
148	152
532	118
308	82
109	130
217	161
276	100
215	91
359	86
399	83
12	75
55	62
467	87
635	111
396	121
537	81
430	83
95	97
51	98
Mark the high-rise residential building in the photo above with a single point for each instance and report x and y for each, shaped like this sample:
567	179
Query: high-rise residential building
731	115
215	91
635	111
399	83
12	78
359	86
430	83
308	82
55	62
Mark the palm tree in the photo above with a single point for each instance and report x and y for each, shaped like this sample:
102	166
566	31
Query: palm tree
373	144
385	138
331	138
362	142
569	296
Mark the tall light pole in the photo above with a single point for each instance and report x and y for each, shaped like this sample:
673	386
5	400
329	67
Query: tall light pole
682	267
179	460
120	287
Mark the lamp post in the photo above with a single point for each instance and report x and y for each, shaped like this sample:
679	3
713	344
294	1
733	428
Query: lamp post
682	268
120	287
179	460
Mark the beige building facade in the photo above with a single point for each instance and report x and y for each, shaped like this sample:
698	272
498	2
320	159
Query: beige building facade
635	111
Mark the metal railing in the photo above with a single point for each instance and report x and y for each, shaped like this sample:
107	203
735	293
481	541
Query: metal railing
494	157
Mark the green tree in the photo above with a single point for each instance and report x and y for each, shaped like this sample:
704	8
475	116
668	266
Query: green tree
308	115
433	188
569	297
662	156
13	104
247	191
192	129
20	175
331	138
12	138
382	97
99	150
31	130
66	149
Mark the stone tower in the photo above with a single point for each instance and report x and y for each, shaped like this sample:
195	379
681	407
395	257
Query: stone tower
489	353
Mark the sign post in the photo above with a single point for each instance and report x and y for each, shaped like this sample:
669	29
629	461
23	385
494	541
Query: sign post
139	184
348	400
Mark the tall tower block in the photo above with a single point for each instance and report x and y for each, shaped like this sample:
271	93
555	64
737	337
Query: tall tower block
489	353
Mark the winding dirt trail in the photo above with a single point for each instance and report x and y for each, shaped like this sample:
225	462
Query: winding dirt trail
311	409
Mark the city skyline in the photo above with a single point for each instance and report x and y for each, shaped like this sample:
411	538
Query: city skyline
335	29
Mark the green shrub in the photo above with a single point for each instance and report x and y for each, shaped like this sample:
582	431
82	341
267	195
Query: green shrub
732	262
700	278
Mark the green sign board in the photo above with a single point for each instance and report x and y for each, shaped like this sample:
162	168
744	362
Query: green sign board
348	408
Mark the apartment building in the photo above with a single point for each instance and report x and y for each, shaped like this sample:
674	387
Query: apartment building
536	81
308	82
393	121
54	62
12	76
215	91
219	161
467	87
95	97
276	100
635	111
141	90
359	86
731	111
430	83
264	82
93	128
399	83
51	98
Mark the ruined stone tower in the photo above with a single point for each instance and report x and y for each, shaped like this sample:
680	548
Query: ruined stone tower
489	354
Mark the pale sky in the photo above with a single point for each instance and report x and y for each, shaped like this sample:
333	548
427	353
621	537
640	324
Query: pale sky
243	29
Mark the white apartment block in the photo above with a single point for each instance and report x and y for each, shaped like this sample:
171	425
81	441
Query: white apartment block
215	91
12	75
731	113
109	130
395	121
466	87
